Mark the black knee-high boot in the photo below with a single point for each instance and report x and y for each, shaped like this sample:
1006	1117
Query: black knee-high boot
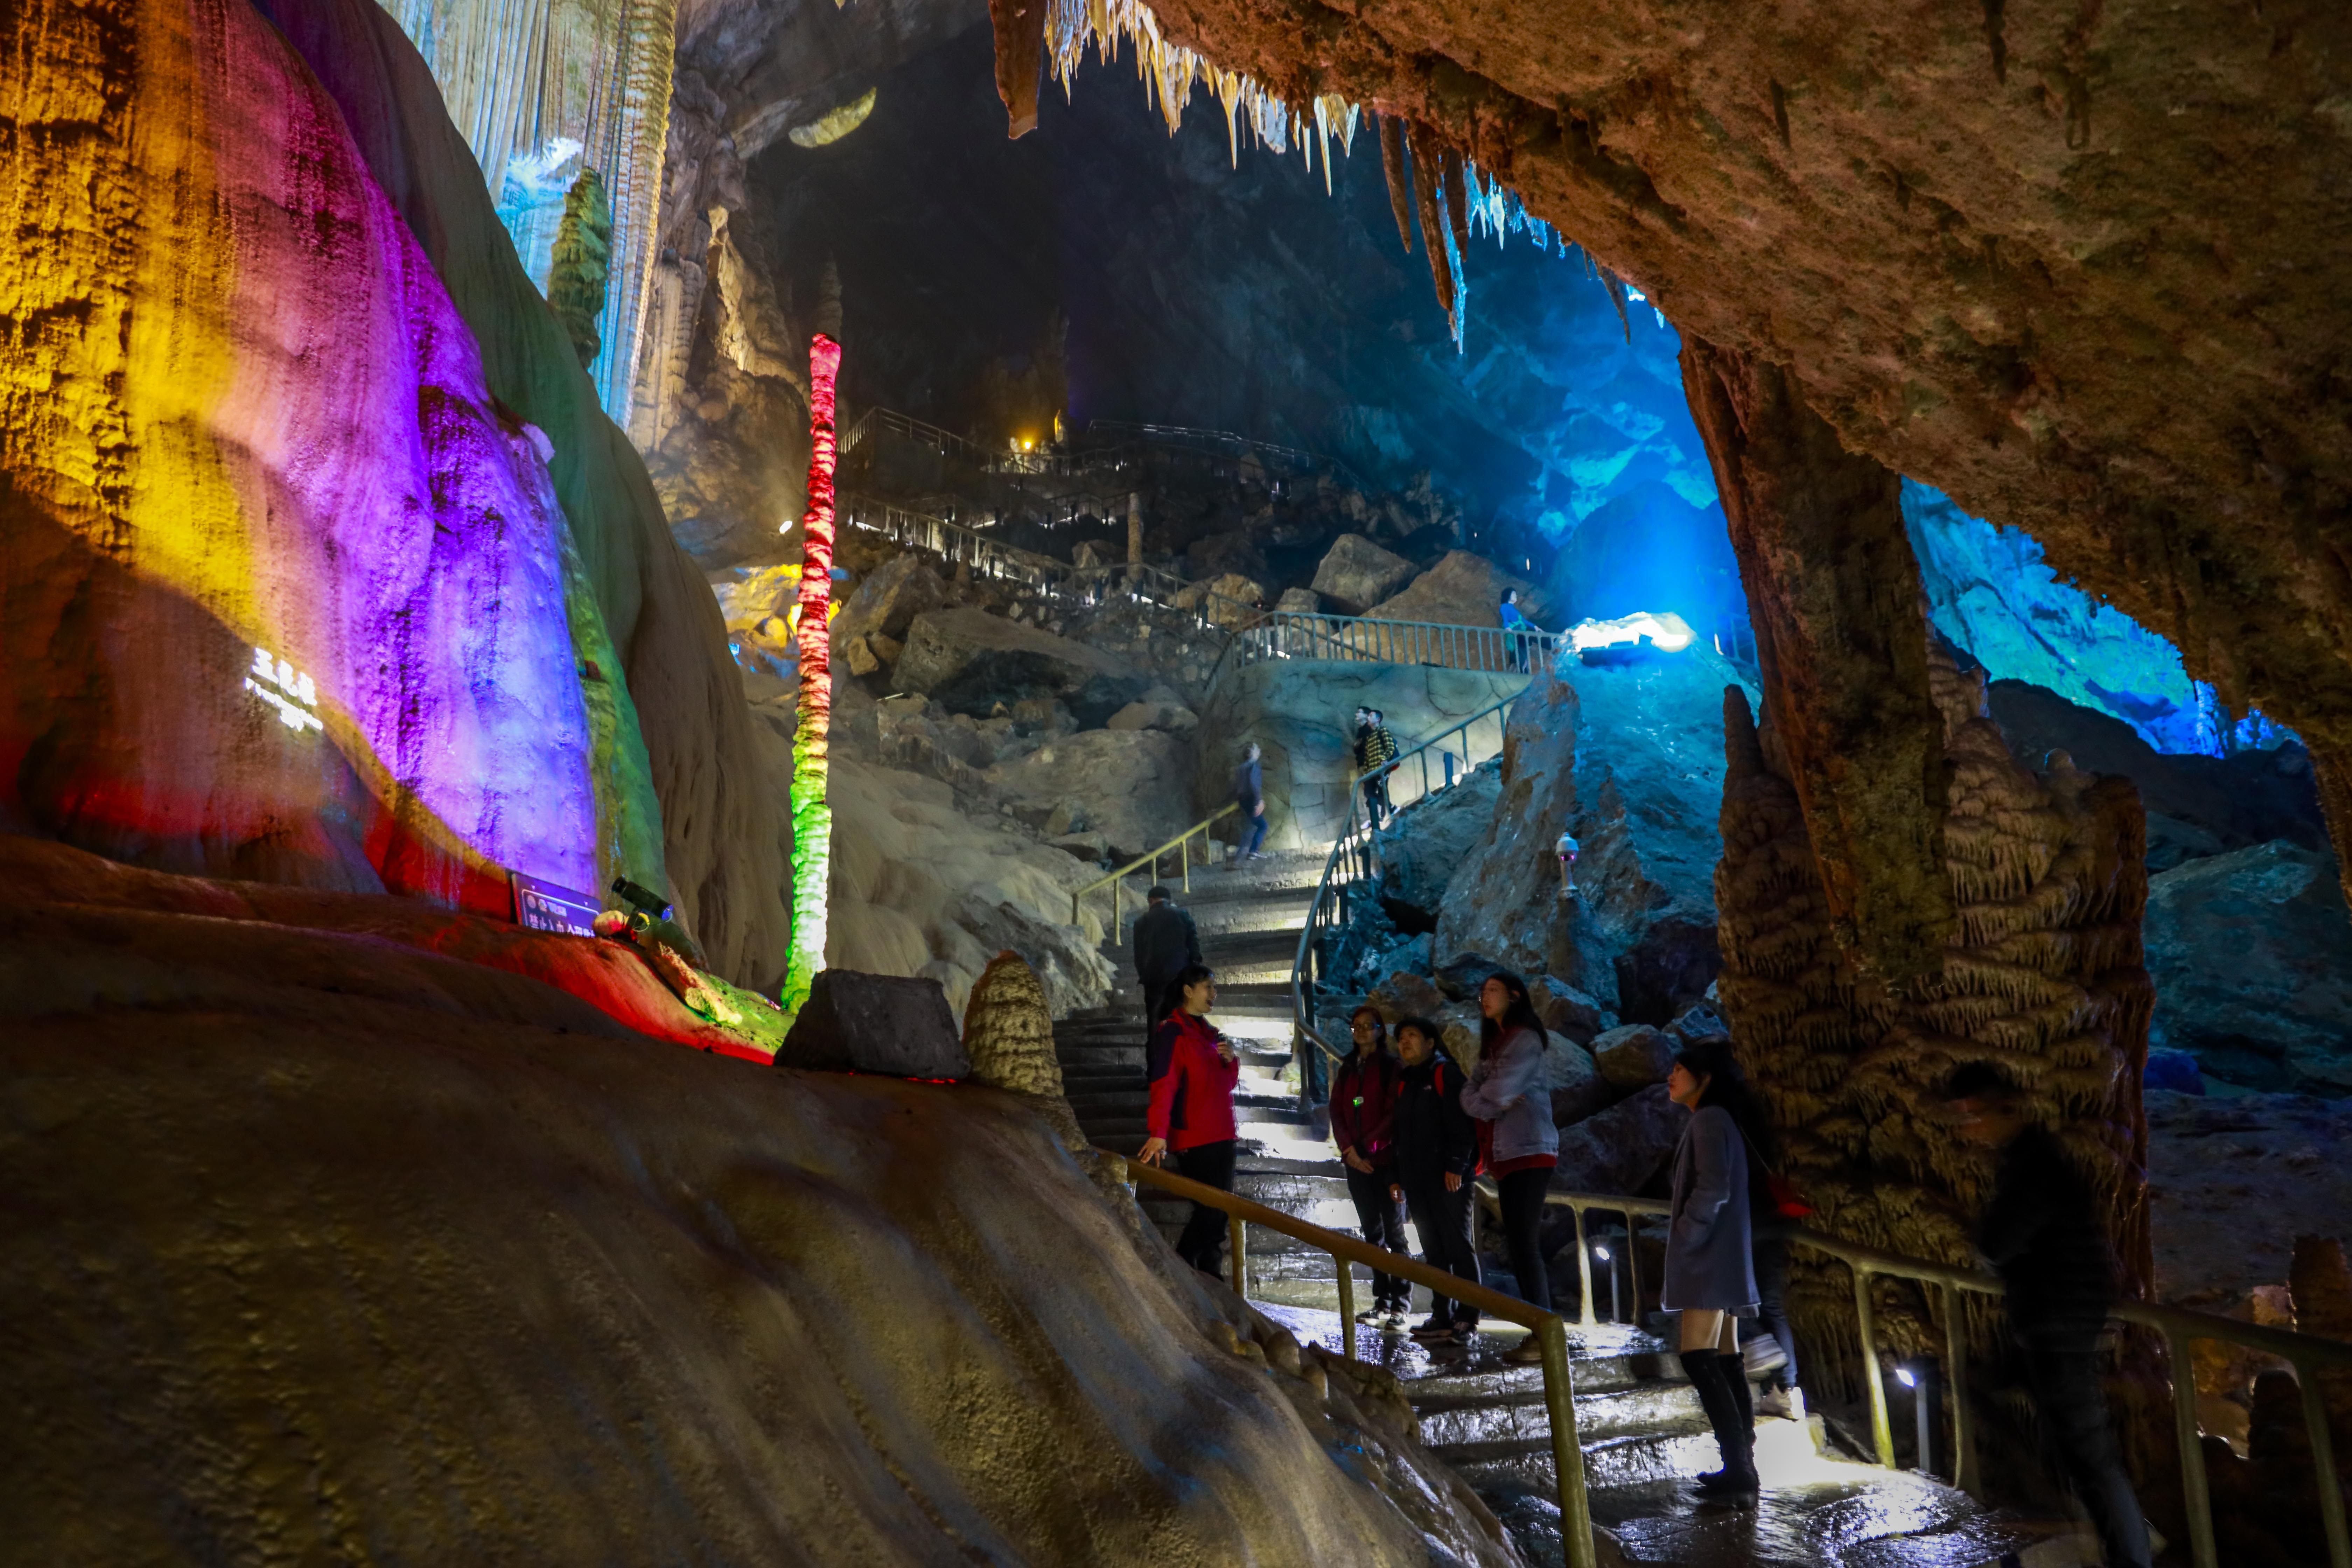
1710	1379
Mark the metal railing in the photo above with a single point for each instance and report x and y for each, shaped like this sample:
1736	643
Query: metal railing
960	544
1360	639
1350	860
1181	845
1549	1329
1226	443
2307	1353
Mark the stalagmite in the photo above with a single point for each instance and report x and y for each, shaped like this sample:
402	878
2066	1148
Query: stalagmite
2042	975
1020	27
812	814
1834	594
1400	182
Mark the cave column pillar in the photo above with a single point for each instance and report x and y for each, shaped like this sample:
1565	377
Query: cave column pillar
1834	594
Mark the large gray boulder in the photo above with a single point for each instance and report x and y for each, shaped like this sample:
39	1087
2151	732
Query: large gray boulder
1623	1149
969	661
1426	843
889	599
1634	1057
1132	786
1629	762
2252	956
1356	574
894	1024
1464	590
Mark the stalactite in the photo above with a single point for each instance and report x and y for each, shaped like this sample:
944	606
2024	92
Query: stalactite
812	814
1400	182
1429	198
1616	286
1457	197
649	43
1020	27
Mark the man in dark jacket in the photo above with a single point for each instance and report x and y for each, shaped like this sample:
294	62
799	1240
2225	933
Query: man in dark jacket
1363	1119
1436	1154
2042	1235
1249	794
1165	944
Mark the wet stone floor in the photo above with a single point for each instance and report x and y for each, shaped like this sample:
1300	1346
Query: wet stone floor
1645	1440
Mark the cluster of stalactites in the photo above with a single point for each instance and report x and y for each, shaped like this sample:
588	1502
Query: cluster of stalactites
1473	202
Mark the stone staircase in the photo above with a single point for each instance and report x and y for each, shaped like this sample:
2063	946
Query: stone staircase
1638	1420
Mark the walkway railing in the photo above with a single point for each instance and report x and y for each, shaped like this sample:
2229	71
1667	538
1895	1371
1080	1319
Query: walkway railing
1550	1329
1180	846
1359	639
1456	750
960	544
2307	1353
1225	442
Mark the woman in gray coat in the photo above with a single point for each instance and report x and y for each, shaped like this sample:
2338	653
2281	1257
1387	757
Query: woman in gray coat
1710	1270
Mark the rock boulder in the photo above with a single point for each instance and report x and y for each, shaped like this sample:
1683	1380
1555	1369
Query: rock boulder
1634	1057
887	1024
1133	786
1356	575
970	660
1463	590
890	597
1623	1149
1299	601
2252	956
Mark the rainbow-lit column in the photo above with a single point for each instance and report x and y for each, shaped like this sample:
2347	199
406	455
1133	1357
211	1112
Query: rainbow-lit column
812	816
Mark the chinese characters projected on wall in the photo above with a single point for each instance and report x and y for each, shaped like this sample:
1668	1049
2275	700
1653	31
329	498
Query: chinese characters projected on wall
286	688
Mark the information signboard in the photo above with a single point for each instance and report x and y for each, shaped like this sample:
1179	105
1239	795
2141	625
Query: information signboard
543	906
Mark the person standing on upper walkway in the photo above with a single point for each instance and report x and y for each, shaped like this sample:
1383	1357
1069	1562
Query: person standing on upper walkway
1517	644
1375	750
1193	1068
1249	794
1363	1124
2041	1232
1165	943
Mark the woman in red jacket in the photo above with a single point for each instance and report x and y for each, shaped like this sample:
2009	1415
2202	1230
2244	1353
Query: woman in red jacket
1193	1068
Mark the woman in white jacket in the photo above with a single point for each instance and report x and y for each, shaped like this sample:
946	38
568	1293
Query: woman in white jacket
1508	1091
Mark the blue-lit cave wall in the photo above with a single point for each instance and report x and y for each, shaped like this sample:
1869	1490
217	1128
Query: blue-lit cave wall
1990	591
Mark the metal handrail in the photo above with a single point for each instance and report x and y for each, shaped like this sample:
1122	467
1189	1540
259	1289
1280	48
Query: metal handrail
1366	639
959	543
1549	1328
2307	1353
1185	433
1181	842
1340	866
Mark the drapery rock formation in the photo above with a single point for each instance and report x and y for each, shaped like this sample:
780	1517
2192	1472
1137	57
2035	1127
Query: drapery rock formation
2042	977
330	445
2076	270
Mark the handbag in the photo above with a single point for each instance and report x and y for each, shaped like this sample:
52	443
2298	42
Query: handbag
1788	1199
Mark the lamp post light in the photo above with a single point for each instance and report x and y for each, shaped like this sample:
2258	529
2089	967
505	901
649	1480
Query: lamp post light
1616	1312
1920	1379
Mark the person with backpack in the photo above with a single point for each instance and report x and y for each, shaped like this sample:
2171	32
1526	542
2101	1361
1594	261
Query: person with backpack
1506	1093
1436	1146
1363	1124
1193	1068
1711	1277
1773	1212
1375	749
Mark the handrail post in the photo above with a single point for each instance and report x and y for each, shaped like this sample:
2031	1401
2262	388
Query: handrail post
1584	1266
1346	1303
2322	1463
1881	1434
1634	1266
1566	1454
1956	1389
1238	1233
2195	1496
